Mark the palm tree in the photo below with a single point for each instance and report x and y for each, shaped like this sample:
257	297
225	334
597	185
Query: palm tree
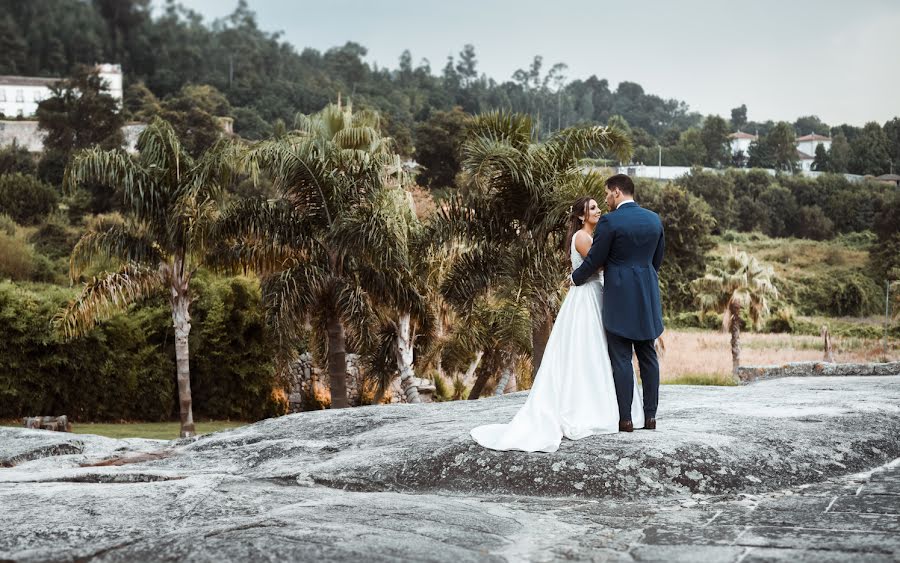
172	204
496	331
408	310
330	247
742	283
510	220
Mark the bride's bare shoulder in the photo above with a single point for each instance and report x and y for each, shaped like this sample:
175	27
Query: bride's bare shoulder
583	242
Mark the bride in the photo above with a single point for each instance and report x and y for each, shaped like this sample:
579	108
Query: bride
573	394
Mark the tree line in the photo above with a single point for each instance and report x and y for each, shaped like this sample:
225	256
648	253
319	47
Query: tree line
261	81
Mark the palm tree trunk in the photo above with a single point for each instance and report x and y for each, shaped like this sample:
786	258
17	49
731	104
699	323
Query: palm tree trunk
540	334
506	376
337	364
487	368
735	313
181	320
405	361
473	366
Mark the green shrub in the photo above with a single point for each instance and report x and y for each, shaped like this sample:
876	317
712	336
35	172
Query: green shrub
783	319
693	319
54	238
52	166
862	240
7	224
855	296
16	258
812	224
232	368
25	198
15	158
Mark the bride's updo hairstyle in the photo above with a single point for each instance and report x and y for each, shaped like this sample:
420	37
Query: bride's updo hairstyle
575	221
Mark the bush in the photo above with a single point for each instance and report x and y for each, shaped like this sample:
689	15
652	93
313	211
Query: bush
54	238
232	368
688	224
782	319
25	198
780	211
19	262
16	159
813	224
7	224
693	319
52	166
717	190
16	258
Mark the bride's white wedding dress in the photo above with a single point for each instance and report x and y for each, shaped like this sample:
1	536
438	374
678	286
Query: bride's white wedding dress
573	394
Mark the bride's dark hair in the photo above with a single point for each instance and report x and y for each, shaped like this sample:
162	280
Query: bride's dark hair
578	210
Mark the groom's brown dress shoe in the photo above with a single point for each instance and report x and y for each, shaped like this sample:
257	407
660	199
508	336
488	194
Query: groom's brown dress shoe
650	424
626	426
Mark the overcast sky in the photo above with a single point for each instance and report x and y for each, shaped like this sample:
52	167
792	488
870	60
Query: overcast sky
839	60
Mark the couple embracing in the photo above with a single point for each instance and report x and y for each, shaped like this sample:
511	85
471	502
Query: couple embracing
586	383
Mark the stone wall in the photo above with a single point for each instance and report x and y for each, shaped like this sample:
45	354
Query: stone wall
307	382
23	133
746	374
26	134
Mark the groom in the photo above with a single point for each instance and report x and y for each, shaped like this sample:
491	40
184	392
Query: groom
629	244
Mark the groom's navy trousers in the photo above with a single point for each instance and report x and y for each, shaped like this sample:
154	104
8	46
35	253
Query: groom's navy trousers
629	243
620	354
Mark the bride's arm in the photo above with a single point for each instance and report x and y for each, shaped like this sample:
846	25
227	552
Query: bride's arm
583	244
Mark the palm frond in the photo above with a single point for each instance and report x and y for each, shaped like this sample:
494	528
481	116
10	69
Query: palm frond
515	129
259	234
571	144
160	149
144	195
470	276
301	290
107	294
115	240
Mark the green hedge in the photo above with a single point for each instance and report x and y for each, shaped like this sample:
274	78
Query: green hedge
124	369
115	372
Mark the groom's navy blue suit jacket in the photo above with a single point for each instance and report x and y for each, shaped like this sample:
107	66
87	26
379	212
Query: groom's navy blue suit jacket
630	243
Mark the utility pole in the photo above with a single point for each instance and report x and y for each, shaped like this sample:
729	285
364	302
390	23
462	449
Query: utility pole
887	315
230	69
659	165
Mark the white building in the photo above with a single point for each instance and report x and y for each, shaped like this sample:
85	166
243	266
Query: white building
20	95
740	142
808	143
806	149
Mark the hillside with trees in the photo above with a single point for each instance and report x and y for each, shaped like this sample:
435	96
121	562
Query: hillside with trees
261	81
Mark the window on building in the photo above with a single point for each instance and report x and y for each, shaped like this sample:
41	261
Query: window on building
20	95
37	95
2	94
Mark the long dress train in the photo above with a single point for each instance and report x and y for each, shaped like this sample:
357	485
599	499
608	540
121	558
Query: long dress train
573	394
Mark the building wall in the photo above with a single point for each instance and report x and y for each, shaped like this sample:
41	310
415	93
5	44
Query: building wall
22	100
674	172
19	100
809	147
742	145
26	134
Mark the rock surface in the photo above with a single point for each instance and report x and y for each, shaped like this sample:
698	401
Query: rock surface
757	472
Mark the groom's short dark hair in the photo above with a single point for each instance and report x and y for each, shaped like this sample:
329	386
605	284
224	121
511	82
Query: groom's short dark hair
621	181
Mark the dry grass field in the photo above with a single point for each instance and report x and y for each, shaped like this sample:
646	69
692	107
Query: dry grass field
702	356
